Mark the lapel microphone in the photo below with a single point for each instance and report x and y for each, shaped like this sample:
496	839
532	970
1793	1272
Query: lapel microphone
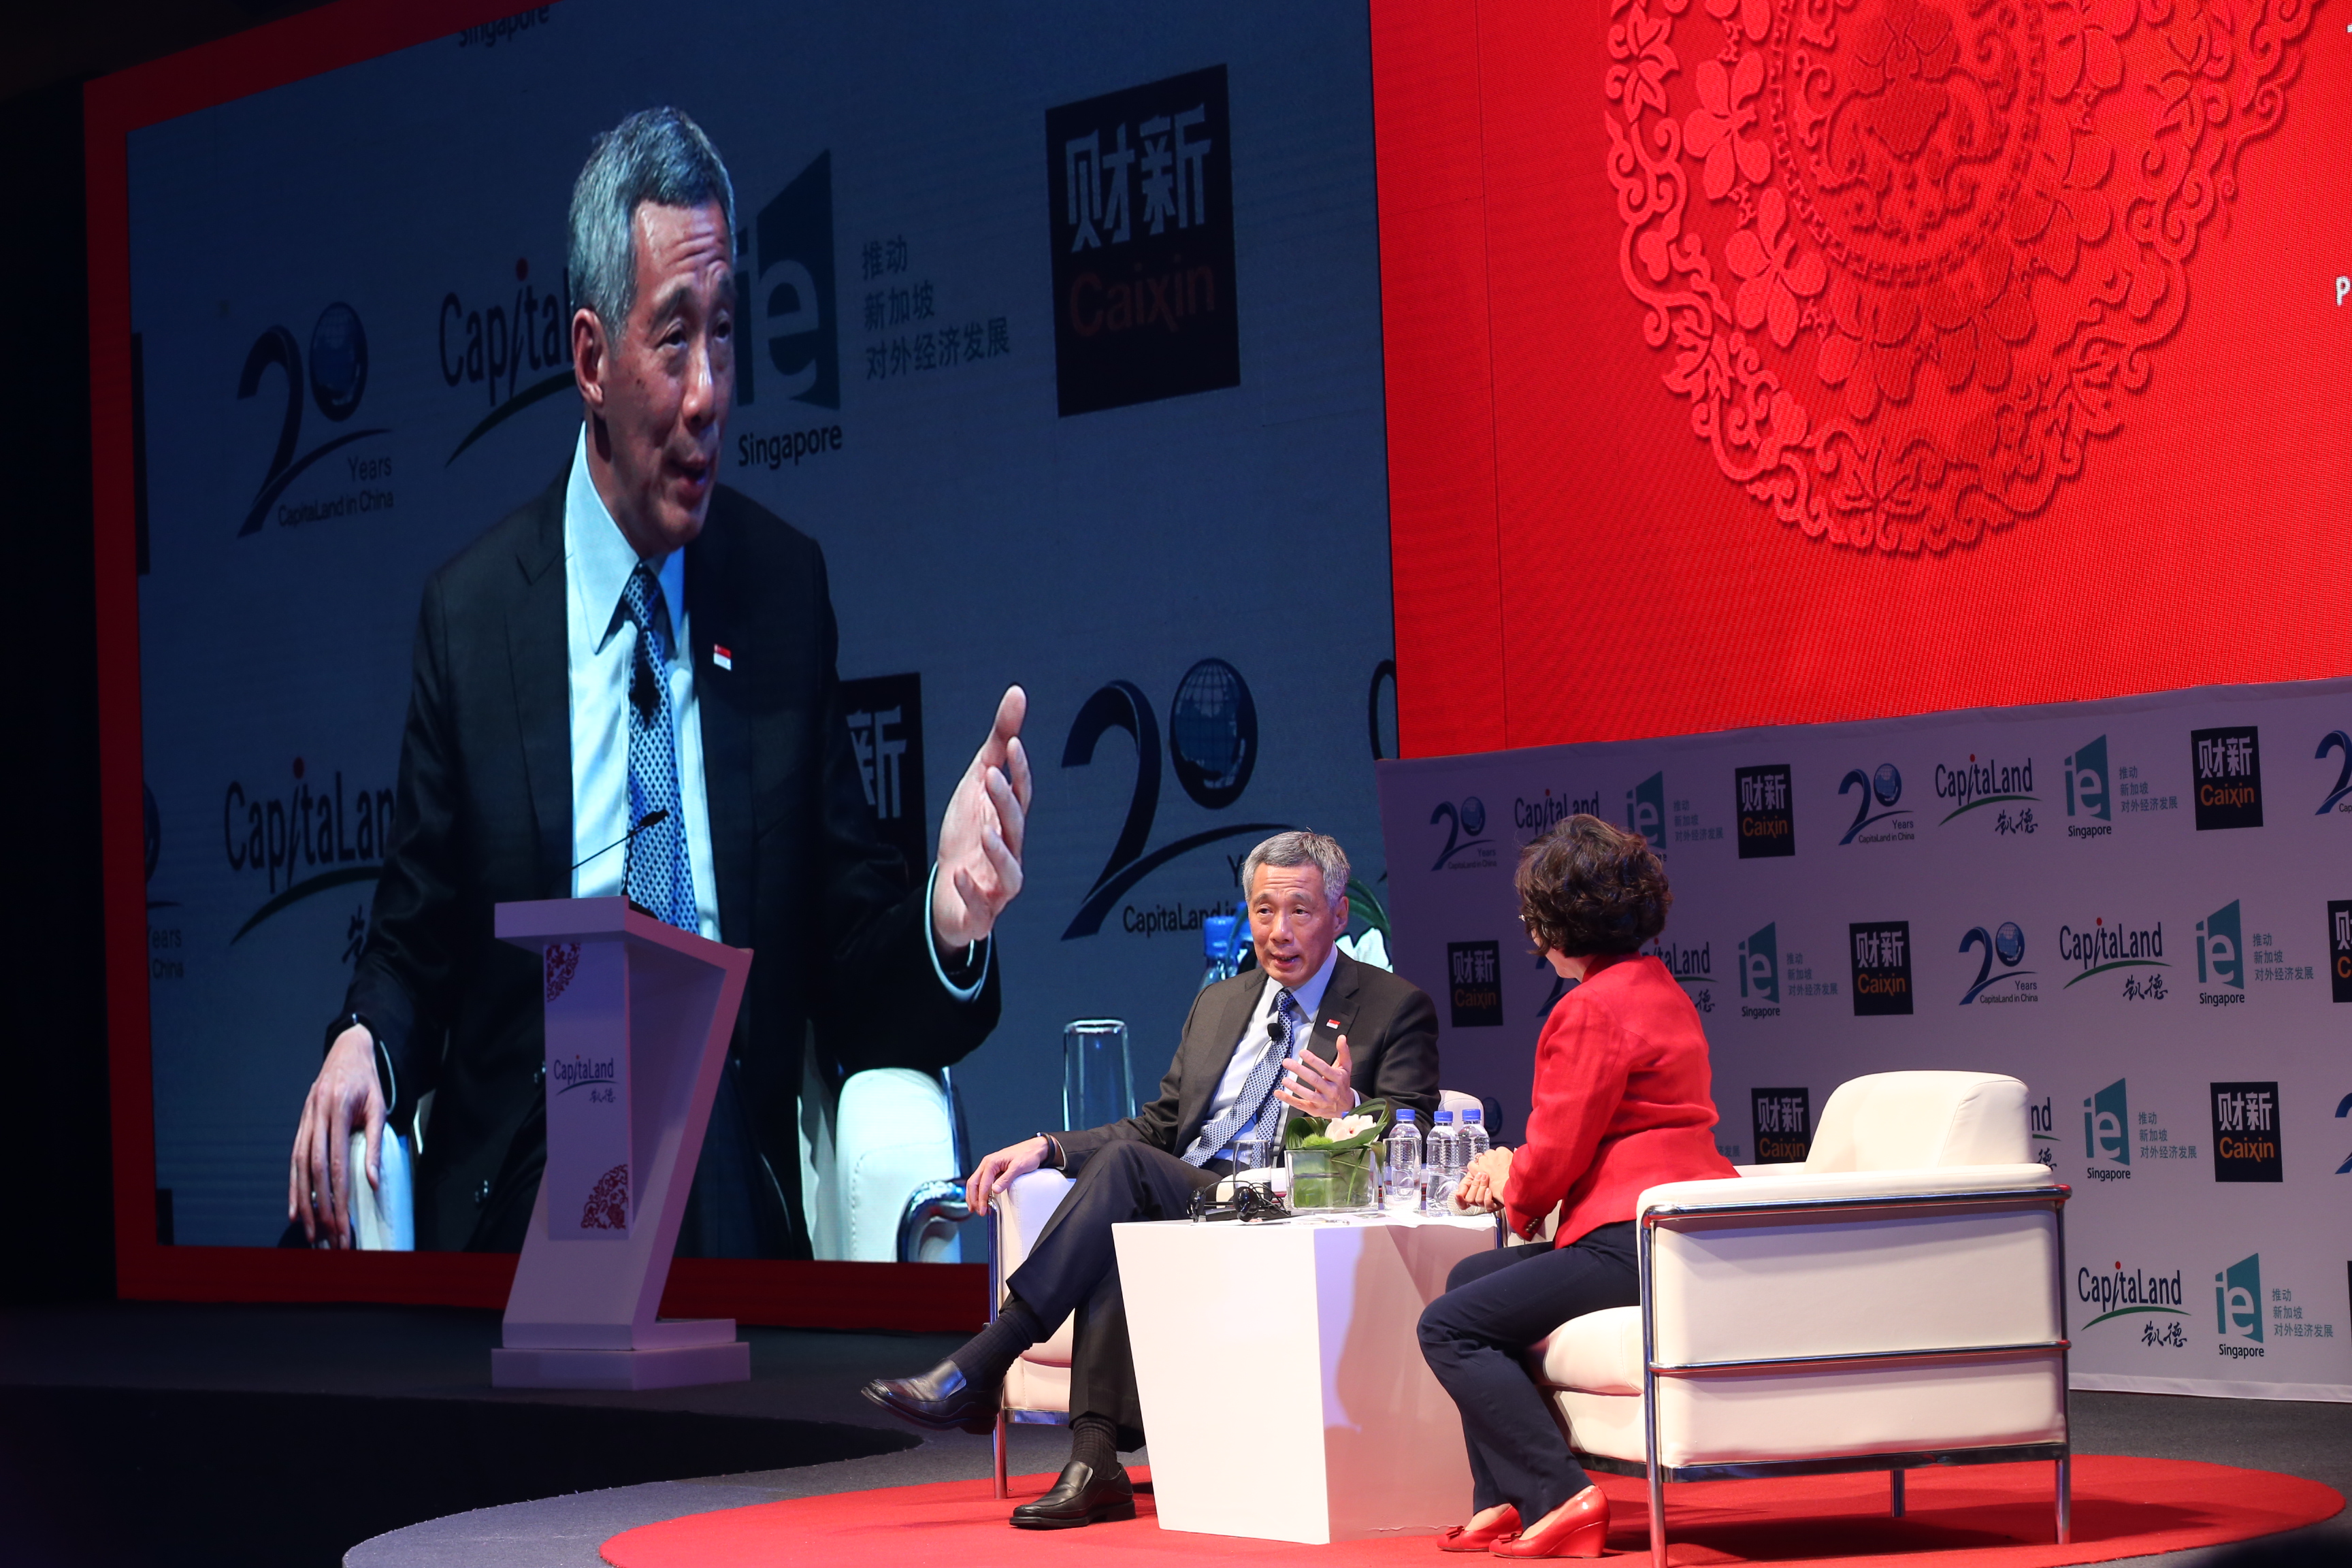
647	821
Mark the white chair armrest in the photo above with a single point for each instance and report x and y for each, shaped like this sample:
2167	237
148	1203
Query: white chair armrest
1022	1211
894	1130
1802	1187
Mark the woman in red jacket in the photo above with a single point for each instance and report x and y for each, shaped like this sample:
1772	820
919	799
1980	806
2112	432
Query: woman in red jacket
1621	1103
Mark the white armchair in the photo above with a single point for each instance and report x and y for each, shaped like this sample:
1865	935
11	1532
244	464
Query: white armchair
881	1166
1891	1303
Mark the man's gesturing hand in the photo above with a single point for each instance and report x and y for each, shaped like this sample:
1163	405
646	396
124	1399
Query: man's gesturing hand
1001	1170
1317	1086
981	836
318	1184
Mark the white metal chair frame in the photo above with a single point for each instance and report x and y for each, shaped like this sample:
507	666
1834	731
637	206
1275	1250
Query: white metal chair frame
1697	1217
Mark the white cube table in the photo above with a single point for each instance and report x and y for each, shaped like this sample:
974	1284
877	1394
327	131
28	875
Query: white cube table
1284	1394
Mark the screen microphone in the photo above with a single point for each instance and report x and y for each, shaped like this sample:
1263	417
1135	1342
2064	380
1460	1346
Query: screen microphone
646	821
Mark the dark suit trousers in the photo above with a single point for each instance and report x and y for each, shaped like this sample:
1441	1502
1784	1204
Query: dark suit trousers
1496	1305
1073	1267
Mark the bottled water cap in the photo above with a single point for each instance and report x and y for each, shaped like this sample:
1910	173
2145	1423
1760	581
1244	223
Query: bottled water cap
1470	1116
1445	1118
1405	1113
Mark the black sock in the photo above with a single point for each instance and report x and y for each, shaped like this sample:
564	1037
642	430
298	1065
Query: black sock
985	1358
1094	1440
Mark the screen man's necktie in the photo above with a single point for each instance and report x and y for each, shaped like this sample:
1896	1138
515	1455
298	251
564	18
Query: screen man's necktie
660	878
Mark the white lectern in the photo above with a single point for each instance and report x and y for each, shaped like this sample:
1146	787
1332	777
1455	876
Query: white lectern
638	1017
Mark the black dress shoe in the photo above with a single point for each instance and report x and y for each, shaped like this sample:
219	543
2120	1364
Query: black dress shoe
1079	1496
940	1400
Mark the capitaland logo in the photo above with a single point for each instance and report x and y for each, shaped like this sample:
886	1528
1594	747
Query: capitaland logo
2088	796
1465	848
2220	957
311	839
1213	740
1141	225
563	1077
1759	974
1473	970
2128	1293
491	342
1978	783
1532	816
1876	802
2228	776
1783	1124
2105	948
1645	810
2246	1132
2042	1130
1881	950
2238	1308
2004	945
1692	968
2107	1134
334	386
1768	821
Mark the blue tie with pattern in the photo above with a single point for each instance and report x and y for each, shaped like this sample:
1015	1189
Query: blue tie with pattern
1255	1109
660	878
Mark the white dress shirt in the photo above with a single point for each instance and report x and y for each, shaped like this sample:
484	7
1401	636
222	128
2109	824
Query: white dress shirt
1307	996
597	562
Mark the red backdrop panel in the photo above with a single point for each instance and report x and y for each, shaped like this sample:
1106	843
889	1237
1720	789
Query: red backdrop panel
1895	355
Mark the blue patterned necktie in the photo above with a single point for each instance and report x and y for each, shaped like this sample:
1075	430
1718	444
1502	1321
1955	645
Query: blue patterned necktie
660	878
1256	1108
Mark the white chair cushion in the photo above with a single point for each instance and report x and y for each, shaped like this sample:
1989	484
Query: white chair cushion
1908	1121
1600	1353
1028	1385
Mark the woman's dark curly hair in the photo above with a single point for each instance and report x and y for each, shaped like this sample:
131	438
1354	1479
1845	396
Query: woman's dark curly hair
1588	886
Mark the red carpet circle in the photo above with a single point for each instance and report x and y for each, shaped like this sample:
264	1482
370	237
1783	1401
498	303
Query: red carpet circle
1990	1516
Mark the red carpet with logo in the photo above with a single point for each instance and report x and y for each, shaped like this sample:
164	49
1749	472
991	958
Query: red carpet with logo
1992	1516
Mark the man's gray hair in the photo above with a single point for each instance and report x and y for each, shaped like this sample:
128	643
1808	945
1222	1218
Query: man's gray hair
1300	849
656	155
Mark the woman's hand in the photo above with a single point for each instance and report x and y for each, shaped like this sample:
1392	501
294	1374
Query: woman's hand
1483	1184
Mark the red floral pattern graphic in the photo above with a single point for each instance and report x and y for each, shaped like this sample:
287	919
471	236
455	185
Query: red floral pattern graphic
608	1202
562	963
1908	257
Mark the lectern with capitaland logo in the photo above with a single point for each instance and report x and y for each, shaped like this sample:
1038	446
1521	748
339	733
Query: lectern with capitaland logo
638	1017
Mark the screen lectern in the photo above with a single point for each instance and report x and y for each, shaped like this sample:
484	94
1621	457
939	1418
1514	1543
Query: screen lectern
638	1018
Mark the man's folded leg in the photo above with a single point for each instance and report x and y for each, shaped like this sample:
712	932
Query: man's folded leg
1106	1418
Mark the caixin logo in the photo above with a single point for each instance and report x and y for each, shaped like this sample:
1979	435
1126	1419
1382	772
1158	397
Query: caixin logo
1473	970
1783	1124
2339	948
337	381
1768	822
2090	806
1882	790
2228	766
2246	1132
1140	222
2238	1308
1465	847
2107	1134
2220	957
1881	967
1645	810
1759	974
2004	945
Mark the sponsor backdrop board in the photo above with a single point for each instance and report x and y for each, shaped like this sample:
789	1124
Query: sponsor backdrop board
2141	907
1059	332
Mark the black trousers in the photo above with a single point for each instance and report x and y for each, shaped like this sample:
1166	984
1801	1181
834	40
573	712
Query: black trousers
1496	1305
1073	1267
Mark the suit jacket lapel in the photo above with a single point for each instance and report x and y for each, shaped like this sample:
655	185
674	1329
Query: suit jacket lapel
538	644
727	779
1337	1015
1210	1051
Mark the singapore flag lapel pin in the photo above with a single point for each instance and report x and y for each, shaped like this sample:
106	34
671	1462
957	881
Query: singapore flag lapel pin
721	657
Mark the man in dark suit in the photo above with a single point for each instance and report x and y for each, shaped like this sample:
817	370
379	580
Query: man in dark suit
1352	1032
638	655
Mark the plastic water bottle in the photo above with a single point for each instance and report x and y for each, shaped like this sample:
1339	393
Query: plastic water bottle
1217	937
1474	1136
1401	1192
1442	1163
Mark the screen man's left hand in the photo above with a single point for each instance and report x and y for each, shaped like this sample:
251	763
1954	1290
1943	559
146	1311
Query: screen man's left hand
980	836
1317	1086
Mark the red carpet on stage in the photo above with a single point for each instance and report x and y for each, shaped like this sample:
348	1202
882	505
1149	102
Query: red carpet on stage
1992	1516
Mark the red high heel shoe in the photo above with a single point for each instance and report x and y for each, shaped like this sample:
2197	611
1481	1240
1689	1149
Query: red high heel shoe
1462	1538
1578	1528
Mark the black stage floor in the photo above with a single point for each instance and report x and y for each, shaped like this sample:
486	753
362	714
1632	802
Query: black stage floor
144	1433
